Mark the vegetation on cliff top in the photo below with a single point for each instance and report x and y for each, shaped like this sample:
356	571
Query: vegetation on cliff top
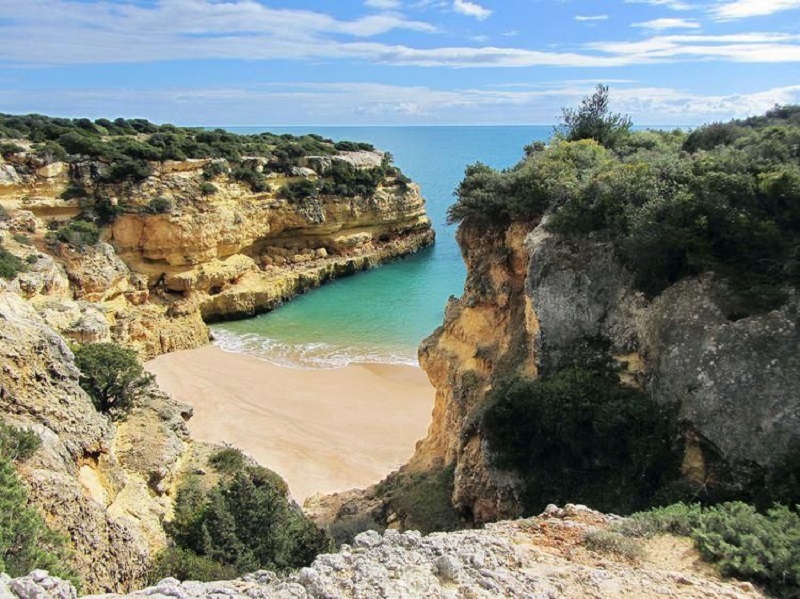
724	198
243	523
139	139
762	547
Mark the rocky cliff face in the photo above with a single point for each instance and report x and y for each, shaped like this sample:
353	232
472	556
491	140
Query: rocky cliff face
104	486
535	302
539	557
185	248
151	283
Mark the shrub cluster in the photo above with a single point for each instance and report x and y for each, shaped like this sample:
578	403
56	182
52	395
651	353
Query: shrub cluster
423	499
725	198
26	543
242	524
78	233
581	436
111	375
343	179
762	547
10	265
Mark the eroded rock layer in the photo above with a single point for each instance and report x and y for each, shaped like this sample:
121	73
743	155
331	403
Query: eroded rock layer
535	302
539	557
184	247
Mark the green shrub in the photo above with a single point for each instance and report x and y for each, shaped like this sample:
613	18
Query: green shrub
79	233
581	436
184	564
73	191
111	375
594	120
422	500
159	205
123	169
214	169
250	176
17	444
245	522
295	191
208	189
764	548
724	199
51	151
10	265
228	460
8	149
352	146
26	543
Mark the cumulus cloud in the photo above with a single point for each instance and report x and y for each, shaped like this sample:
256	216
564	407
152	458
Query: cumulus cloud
45	32
672	4
591	18
668	24
372	103
740	9
471	9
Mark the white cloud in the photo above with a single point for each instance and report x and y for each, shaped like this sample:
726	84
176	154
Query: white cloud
371	103
384	4
668	24
672	4
591	18
740	9
471	9
110	32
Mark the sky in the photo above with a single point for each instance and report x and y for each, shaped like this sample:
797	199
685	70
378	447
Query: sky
396	62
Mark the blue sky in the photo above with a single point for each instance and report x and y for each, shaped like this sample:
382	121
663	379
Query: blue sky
390	62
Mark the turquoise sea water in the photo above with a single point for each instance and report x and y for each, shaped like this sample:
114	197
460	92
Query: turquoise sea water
382	315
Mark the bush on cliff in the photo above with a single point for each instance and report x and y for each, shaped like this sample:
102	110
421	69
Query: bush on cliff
26	543
761	547
10	265
724	199
244	523
112	376
78	233
581	436
594	120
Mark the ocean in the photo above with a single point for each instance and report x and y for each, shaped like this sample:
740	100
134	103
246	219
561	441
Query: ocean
380	316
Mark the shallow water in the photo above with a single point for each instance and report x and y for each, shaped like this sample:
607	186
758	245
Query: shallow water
382	315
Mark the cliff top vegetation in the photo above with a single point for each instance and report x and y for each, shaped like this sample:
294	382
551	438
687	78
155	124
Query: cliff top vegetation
58	138
723	198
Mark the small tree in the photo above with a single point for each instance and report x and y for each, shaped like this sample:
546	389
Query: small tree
111	375
593	120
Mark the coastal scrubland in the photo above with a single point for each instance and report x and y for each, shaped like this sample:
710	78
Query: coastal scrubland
627	339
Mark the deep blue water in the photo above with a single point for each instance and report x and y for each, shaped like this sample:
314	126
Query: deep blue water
383	314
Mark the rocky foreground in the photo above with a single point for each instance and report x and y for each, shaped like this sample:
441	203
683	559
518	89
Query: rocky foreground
542	557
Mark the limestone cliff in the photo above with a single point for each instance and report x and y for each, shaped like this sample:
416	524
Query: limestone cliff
535	302
178	248
547	556
102	485
190	243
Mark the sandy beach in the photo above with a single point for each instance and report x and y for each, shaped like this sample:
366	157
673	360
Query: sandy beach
322	430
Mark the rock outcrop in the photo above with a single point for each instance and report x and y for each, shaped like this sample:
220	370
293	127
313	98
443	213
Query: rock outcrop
539	557
535	302
180	253
103	487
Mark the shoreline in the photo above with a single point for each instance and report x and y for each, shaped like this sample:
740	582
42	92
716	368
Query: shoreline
323	430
